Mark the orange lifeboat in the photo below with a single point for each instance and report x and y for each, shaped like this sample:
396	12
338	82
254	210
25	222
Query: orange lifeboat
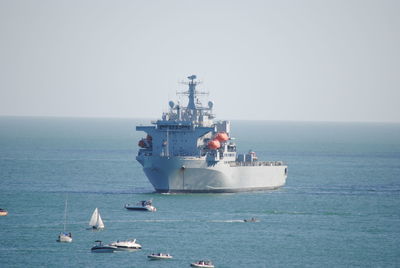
214	144
221	136
142	143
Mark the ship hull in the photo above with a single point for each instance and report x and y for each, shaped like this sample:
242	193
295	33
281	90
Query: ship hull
195	175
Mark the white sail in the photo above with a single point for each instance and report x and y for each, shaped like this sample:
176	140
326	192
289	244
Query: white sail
95	220
100	224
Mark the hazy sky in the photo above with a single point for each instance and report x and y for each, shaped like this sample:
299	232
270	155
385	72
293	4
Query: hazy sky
272	60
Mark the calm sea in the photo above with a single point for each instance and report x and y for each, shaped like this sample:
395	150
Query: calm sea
339	208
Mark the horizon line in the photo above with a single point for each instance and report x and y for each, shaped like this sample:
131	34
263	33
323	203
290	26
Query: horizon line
233	119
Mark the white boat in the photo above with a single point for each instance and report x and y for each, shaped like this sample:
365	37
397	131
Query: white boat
126	245
95	221
205	264
64	236
145	205
159	256
3	212
100	248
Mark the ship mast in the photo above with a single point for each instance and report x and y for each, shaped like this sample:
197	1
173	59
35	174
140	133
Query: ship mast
192	93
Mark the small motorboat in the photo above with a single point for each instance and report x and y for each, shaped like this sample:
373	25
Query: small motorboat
127	245
145	205
159	256
251	220
206	264
65	237
3	212
100	248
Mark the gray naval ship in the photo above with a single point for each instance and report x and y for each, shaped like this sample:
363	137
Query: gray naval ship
186	151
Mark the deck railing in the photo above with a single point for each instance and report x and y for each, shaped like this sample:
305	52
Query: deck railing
257	163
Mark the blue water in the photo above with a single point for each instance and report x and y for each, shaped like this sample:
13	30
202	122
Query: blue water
339	208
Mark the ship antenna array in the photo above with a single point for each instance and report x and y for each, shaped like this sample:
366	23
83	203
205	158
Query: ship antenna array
187	92
192	93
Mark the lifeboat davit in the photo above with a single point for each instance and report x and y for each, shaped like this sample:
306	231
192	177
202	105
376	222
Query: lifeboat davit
221	136
214	144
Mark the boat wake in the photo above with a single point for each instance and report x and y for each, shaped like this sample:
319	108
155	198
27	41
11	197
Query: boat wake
227	221
161	220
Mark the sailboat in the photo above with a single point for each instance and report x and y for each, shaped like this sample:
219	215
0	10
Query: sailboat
64	236
95	221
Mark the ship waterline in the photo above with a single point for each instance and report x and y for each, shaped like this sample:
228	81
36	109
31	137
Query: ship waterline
186	151
175	175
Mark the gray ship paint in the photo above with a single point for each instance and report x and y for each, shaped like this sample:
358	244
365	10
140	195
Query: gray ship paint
187	151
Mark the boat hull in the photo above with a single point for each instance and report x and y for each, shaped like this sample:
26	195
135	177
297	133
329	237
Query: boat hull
202	265
103	249
149	209
64	239
94	228
195	175
3	213
135	208
126	245
154	257
127	249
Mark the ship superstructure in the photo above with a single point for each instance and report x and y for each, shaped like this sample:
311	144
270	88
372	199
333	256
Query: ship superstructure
187	151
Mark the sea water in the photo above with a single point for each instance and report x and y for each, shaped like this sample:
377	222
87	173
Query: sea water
340	206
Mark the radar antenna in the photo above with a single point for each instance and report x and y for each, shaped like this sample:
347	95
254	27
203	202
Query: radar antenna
192	77
192	92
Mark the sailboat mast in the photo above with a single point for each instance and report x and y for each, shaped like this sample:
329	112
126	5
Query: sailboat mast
65	212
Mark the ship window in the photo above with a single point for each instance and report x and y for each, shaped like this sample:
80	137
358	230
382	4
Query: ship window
285	171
